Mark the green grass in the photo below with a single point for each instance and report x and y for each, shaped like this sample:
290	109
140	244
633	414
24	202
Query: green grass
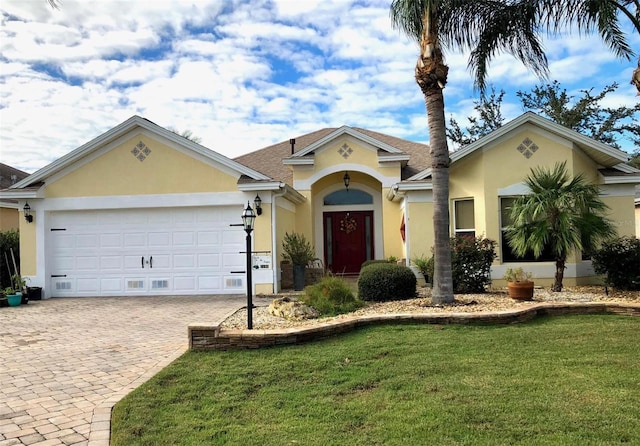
555	381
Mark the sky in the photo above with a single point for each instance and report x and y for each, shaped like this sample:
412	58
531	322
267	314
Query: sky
241	74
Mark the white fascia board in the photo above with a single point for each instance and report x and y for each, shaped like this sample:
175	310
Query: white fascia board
17	194
630	179
123	128
351	132
393	158
258	186
144	201
623	167
298	161
9	204
421	175
414	185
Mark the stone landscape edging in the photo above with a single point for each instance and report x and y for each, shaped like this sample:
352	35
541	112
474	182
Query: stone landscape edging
203	336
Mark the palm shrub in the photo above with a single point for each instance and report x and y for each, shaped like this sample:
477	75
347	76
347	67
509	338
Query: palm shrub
561	213
619	261
331	296
383	282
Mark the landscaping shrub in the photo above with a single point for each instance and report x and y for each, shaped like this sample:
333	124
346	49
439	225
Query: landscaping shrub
619	261
331	296
471	259
383	282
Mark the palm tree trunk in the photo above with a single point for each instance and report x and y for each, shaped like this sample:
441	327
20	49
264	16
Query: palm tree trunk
442	292
557	285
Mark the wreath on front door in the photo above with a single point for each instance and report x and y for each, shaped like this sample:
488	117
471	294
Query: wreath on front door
348	224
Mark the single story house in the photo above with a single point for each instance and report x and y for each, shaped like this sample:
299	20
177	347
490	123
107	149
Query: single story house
140	210
9	208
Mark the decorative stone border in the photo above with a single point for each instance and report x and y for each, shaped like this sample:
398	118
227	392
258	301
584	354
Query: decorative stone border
204	336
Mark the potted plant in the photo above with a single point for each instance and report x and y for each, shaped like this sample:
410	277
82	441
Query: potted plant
424	265
14	297
519	284
20	285
299	252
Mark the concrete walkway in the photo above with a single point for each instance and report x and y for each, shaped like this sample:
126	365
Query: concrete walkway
65	362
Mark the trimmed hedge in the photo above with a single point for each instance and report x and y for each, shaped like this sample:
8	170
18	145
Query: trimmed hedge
619	260
382	282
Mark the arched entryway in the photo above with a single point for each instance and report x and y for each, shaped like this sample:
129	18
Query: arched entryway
348	226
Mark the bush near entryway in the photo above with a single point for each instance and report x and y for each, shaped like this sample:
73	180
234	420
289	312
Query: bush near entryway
383	282
331	296
619	260
471	259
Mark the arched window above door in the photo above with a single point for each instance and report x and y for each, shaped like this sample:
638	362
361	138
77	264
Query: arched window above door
351	196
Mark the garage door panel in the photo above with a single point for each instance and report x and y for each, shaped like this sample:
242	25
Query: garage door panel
160	261
137	239
87	263
209	238
111	285
88	285
182	239
184	283
113	263
111	240
209	260
159	239
184	261
146	251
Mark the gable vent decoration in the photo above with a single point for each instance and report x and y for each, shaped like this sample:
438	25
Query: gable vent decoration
345	151
141	151
527	148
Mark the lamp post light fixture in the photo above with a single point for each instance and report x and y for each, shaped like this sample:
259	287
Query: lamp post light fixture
347	179
27	213
248	219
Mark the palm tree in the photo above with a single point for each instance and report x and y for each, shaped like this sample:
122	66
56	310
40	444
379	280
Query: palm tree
561	214
605	15
485	28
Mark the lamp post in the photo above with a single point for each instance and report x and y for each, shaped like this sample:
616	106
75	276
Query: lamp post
248	219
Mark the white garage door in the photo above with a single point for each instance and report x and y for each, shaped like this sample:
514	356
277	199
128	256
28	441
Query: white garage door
146	252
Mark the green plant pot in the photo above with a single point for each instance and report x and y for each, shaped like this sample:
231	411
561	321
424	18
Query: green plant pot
298	277
14	299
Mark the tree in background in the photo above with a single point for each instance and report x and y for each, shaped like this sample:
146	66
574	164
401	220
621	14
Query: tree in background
584	114
561	213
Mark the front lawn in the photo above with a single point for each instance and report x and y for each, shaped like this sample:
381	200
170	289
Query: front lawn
553	381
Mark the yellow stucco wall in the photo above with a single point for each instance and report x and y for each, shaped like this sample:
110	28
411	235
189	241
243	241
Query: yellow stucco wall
391	220
164	171
28	246
622	214
9	219
638	221
420	227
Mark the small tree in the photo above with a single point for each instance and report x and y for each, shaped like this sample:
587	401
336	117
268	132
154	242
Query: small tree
560	213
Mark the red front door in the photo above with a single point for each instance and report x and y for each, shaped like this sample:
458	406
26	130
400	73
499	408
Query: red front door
348	240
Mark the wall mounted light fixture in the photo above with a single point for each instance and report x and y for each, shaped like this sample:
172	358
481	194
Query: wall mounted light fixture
347	179
258	203
27	213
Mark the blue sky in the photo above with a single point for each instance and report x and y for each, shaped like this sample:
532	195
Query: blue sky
240	75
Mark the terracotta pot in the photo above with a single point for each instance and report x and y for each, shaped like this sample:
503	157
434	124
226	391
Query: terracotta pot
521	290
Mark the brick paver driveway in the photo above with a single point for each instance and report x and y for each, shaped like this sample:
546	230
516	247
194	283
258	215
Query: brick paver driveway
65	362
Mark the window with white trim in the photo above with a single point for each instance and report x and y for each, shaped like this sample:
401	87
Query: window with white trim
464	222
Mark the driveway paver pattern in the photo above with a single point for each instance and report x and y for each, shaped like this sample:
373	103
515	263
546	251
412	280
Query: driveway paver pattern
64	362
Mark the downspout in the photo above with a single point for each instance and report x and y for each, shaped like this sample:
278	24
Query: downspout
274	249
